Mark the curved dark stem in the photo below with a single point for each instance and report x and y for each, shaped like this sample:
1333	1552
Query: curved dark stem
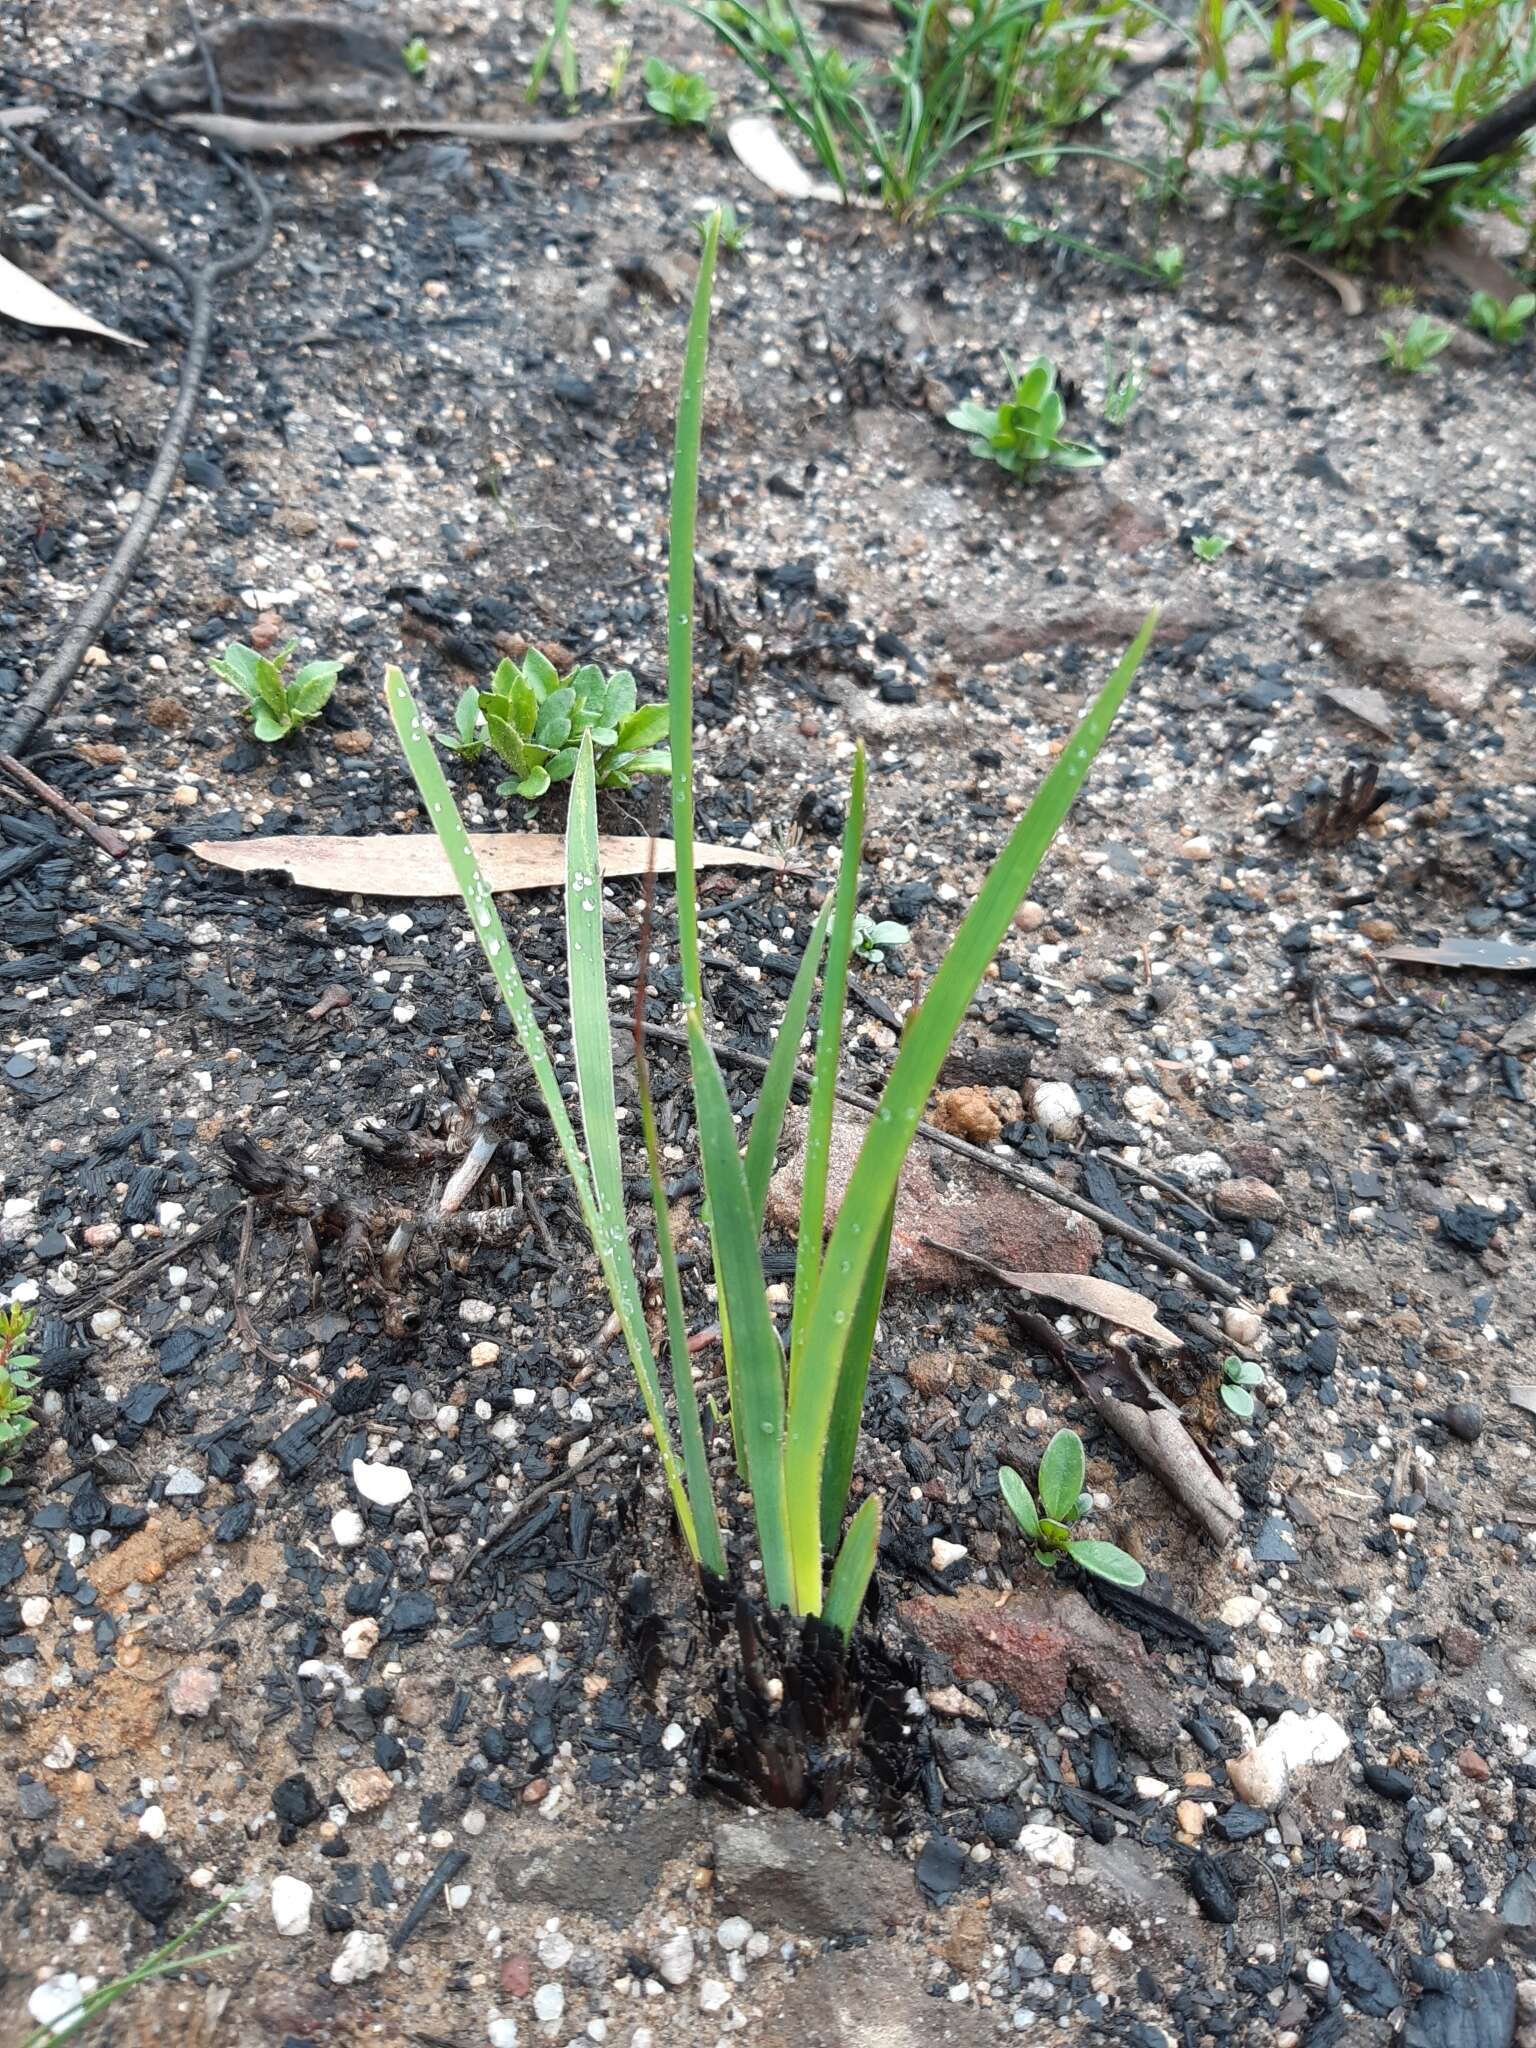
42	699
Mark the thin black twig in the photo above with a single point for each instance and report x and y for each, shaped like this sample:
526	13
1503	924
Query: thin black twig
201	289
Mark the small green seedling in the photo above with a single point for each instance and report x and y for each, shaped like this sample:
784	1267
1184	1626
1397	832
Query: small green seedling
1168	262
1416	347
1122	388
533	719
733	236
276	704
1209	547
681	97
468	738
1238	1379
1499	322
18	1378
415	56
870	939
1062	1504
1024	434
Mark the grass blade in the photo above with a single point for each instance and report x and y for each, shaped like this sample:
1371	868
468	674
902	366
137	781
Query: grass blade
928	1037
759	1357
852	1571
587	979
848	1407
685	503
773	1097
829	1045
485	920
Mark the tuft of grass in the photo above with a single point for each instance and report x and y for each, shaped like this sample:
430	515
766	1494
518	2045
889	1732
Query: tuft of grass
795	1406
166	1961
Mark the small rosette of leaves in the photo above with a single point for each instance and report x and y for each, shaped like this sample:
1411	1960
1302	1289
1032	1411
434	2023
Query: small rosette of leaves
681	97
534	720
17	1382
1023	435
1500	322
872	937
1238	1379
276	703
1062	1503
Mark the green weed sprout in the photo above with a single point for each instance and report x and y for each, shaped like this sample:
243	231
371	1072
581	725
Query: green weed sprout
166	1961
1023	435
18	1379
733	236
1501	323
533	719
1209	547
794	1410
681	97
1122	388
276	704
415	56
1168	262
1062	1503
1238	1378
557	49
1416	347
872	938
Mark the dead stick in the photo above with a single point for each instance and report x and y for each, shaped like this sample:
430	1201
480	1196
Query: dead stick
1022	1176
1166	1448
45	793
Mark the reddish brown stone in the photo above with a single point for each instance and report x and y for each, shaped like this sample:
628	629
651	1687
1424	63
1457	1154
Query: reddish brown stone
1473	1766
1035	1644
517	1977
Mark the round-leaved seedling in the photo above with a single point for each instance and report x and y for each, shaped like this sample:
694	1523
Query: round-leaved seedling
1062	1503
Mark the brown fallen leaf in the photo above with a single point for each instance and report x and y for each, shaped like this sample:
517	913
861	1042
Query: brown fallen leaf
1103	1298
412	864
1349	294
35	305
1486	956
1474	264
759	146
237	132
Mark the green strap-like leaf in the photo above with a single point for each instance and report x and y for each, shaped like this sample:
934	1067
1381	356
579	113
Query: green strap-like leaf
818	1127
925	1042
485	920
848	1408
759	1358
685	495
778	1081
855	1565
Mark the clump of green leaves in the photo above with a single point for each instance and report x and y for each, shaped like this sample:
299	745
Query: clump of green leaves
733	236
1168	262
18	1378
681	97
1349	135
1499	322
415	56
871	938
1238	1379
965	90
1209	547
1023	435
534	720
276	703
1063	1504
1416	347
794	1407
